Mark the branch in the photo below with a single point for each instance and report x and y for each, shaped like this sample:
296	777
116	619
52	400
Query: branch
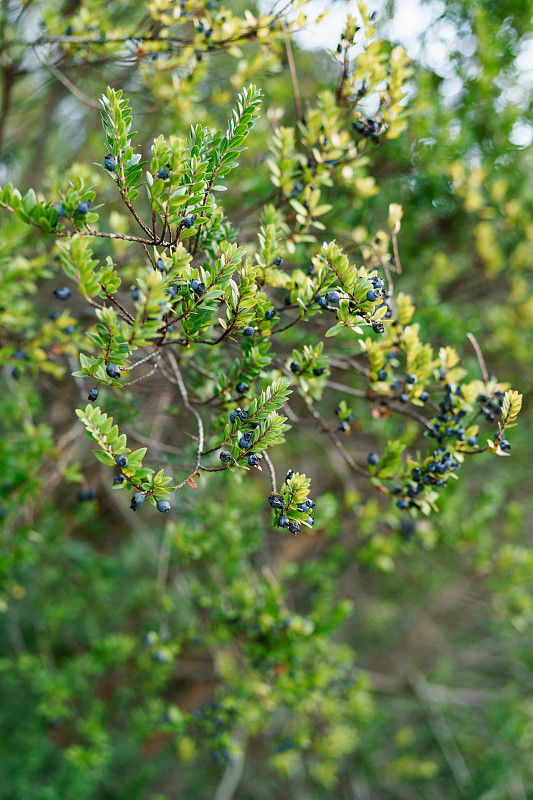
295	87
185	397
231	778
396	253
334	438
479	354
272	472
73	89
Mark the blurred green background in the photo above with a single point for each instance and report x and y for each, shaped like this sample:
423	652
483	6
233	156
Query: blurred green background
419	653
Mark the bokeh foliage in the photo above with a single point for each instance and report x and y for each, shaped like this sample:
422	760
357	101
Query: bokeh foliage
384	650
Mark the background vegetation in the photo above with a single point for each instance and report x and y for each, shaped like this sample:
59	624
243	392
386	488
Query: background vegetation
208	652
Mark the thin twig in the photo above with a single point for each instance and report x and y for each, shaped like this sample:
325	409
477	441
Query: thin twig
146	375
479	354
164	448
295	87
73	89
231	778
396	253
272	472
340	387
185	397
324	428
119	305
90	232
143	360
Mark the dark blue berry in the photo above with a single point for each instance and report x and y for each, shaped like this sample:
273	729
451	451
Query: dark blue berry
121	461
404	398
310	521
310	503
93	394
118	480
253	459
373	459
135	293
84	207
382	374
333	298
283	521
85	496
188	222
295	367
424	396
162	173
233	416
60	210
137	501
322	302
403	504
270	313
343	426
416	472
172	291
248	331
70	329
200	290
302	506
411	378
294	527
442	374
378	327
243	416
245	441
242	387
371	296
63	293
278	261
225	456
160	265
163	506
110	163
113	371
276	501
379	283
472	442
504	445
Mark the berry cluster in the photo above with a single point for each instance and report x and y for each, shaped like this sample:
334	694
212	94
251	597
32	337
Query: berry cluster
433	472
369	127
246	437
376	295
299	512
